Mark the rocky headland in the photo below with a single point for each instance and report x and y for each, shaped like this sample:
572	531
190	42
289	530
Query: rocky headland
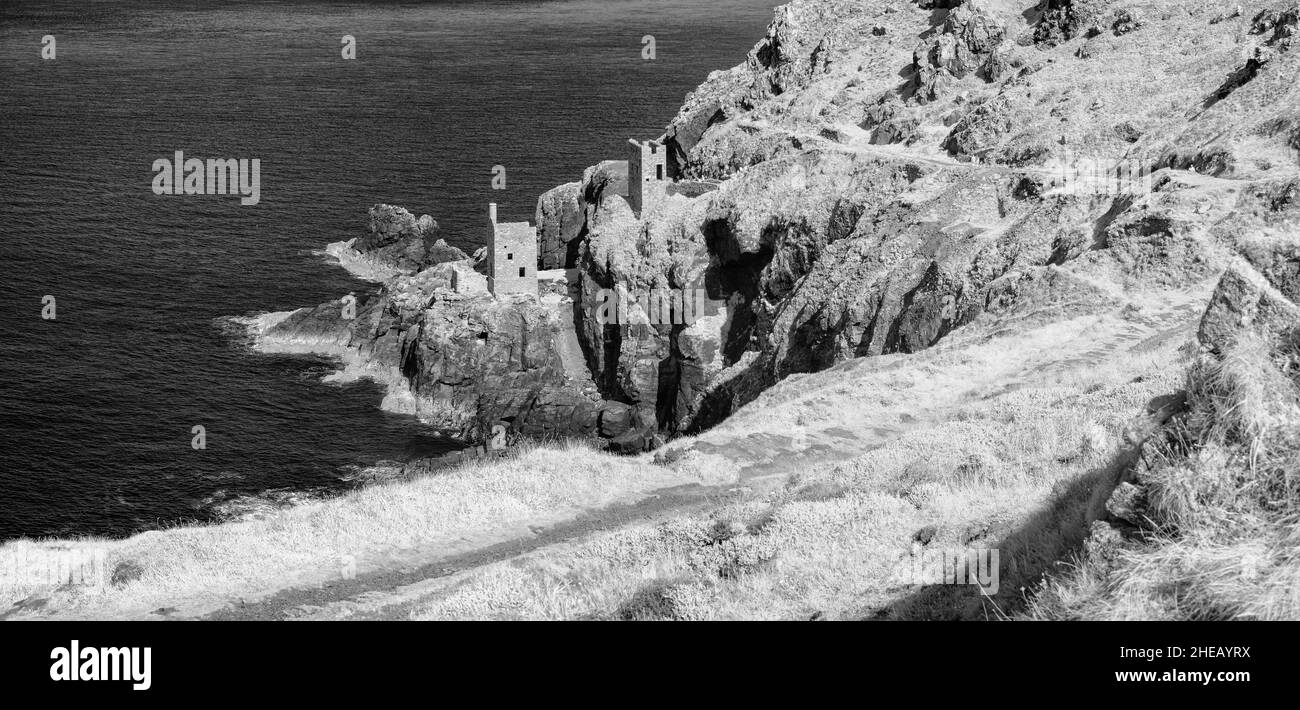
871	178
978	276
446	349
878	179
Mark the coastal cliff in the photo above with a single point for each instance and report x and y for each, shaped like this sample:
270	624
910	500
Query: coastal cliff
448	351
982	276
1011	280
858	214
873	177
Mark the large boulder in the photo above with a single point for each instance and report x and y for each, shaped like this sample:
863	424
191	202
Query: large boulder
1243	302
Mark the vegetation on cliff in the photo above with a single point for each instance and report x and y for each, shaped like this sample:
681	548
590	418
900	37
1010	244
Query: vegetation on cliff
928	334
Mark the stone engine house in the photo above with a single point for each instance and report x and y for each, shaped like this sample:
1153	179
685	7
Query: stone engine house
512	256
647	174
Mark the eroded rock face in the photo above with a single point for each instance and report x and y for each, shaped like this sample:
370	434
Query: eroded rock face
1259	292
807	261
460	361
845	193
971	42
797	46
403	243
647	365
982	129
559	222
1258	296
1063	20
1279	25
890	122
1243	302
816	250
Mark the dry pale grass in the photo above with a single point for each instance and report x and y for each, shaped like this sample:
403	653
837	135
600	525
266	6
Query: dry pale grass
1016	470
465	508
1194	576
1223	506
1013	468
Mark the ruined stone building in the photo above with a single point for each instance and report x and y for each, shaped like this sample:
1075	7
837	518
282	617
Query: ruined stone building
647	174
512	256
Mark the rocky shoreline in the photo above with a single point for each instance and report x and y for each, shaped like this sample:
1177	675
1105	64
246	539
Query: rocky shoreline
919	339
827	212
446	350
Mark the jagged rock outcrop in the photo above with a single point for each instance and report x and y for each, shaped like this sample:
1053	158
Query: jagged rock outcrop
845	192
798	45
1258	294
890	122
648	365
1063	20
821	250
559	222
972	41
409	244
1243	302
456	357
398	243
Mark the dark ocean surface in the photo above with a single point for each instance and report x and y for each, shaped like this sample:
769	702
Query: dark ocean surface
96	407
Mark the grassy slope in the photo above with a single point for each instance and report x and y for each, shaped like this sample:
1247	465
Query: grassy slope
1215	529
195	569
1000	434
1013	462
1009	434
